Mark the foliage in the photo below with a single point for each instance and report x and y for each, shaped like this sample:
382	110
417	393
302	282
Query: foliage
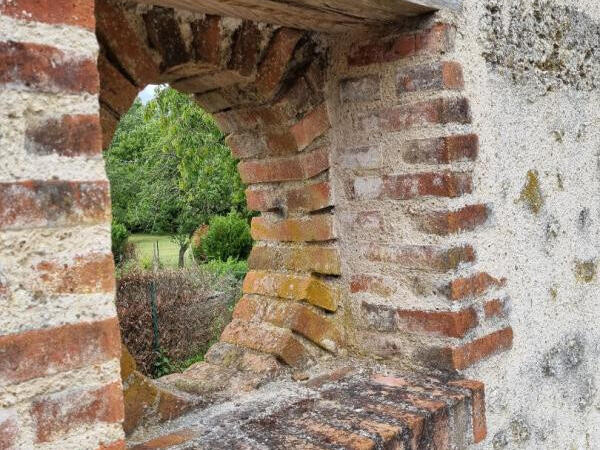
194	305
119	235
234	267
170	169
227	237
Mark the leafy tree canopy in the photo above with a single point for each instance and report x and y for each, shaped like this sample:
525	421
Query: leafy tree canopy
170	169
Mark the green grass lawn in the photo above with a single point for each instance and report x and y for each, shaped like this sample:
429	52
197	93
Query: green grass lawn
168	250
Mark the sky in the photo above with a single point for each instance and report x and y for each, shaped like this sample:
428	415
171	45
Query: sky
148	93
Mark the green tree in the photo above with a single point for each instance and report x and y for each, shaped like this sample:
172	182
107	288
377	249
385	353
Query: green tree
170	169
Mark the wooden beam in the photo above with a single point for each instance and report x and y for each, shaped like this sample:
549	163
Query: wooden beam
330	16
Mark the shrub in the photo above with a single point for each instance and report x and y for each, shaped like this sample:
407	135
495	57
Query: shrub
227	237
194	305
233	267
119	235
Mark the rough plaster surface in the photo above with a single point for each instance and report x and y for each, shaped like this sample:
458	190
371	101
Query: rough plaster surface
541	119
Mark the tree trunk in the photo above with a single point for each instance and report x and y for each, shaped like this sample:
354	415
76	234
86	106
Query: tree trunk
182	250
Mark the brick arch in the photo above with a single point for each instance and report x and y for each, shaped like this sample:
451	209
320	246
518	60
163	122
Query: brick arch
264	86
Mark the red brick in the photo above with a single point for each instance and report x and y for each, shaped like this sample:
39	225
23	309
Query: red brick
298	167
58	414
437	111
118	34
444	184
116	91
477	390
307	229
165	36
459	358
167	440
275	341
245	48
245	146
30	204
337	437
473	286
422	257
9	428
323	260
92	273
76	135
295	316
46	69
444	323
444	223
275	62
109	125
372	284
437	39
442	150
117	445
308	198
302	134
39	353
430	76
79	13
213	101
293	287
206	43
494	308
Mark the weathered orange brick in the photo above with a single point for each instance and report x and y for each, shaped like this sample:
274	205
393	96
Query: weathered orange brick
46	69
29	204
116	91
307	198
473	285
422	257
494	308
117	445
38	353
477	389
338	437
298	167
275	62
272	340
444	323
324	260
459	358
213	101
57	414
373	284
437	111
9	428
165	36
92	273
292	287
78	13
442	150
437	39
444	223
76	135
167	440
119	35
430	76
302	134
307	229
295	316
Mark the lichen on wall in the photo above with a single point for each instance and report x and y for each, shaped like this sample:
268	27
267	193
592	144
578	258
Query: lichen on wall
541	42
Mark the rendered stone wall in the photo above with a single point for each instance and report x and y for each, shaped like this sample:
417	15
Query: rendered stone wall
531	71
60	385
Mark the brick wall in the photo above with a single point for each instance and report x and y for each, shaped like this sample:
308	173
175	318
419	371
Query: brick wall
59	336
403	180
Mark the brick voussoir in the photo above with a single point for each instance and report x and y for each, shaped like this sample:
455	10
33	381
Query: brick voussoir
298	167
